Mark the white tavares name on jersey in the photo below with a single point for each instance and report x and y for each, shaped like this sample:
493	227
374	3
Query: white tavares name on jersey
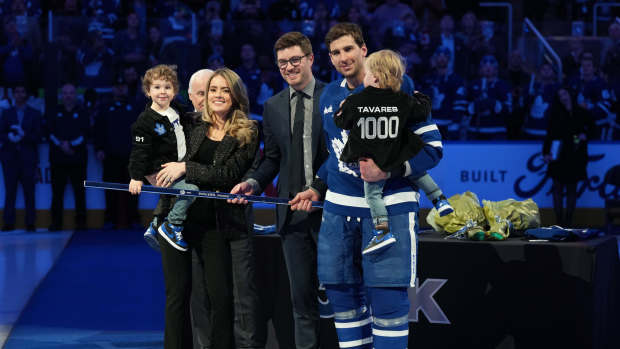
378	109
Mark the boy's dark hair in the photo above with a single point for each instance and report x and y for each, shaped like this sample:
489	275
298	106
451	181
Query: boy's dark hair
163	72
291	39
342	29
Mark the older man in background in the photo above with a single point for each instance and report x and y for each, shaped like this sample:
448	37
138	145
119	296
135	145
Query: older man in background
199	303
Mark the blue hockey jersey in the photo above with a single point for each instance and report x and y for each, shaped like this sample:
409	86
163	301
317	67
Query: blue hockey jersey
345	194
449	96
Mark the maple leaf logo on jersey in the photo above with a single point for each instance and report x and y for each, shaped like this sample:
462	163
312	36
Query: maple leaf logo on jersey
338	146
159	129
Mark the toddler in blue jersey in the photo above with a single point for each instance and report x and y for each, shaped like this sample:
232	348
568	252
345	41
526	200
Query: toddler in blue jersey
379	119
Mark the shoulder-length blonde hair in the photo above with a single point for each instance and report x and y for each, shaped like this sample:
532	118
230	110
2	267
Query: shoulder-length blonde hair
237	124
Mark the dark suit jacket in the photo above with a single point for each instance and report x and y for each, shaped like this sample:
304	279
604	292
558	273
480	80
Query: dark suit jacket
26	150
230	162
277	139
153	141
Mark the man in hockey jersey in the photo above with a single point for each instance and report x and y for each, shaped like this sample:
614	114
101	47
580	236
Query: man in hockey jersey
448	94
587	85
491	102
540	95
605	115
594	94
359	284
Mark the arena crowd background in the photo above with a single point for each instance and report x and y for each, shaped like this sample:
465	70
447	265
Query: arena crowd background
95	283
477	60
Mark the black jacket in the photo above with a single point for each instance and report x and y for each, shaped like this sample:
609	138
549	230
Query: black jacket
153	141
230	163
113	129
26	149
384	134
72	126
277	138
572	158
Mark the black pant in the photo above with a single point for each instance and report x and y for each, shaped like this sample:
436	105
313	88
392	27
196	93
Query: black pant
115	170
199	305
14	173
564	217
231	290
199	300
299	244
75	174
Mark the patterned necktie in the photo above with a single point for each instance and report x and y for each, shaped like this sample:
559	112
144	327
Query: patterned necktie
296	154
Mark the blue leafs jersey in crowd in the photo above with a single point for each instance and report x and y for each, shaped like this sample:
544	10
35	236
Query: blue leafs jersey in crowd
600	100
540	99
345	195
491	101
589	92
449	97
607	125
597	97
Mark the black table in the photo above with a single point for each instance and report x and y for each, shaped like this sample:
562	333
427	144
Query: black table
516	294
477	294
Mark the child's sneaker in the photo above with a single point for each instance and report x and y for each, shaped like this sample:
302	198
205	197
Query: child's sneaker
379	242
174	235
150	236
442	206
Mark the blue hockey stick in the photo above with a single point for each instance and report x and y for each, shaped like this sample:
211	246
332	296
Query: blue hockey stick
193	193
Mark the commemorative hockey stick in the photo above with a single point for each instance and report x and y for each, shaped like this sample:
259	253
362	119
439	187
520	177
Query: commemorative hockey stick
193	193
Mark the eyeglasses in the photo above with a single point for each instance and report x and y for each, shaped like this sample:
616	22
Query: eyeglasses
295	61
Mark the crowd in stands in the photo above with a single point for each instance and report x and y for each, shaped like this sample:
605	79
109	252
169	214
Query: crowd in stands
70	67
455	52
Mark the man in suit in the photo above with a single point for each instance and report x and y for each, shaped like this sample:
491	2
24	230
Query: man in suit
68	131
294	149
20	133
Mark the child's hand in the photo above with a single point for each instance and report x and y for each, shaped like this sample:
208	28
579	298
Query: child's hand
135	186
339	112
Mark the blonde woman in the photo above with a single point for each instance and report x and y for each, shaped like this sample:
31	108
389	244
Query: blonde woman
220	151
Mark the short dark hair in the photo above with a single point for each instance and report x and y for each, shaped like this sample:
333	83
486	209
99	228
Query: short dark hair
342	29
291	39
